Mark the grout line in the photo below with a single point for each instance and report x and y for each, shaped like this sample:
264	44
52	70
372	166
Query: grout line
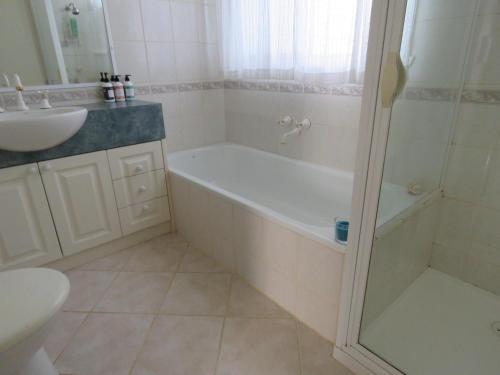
228	302
299	348
73	335
140	351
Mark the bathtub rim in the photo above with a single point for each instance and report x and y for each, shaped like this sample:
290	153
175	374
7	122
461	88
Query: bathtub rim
322	168
258	209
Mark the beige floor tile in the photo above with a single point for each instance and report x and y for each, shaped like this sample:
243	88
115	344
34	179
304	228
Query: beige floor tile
196	261
316	354
156	256
105	344
136	292
169	241
259	347
180	346
113	262
198	293
247	301
86	288
64	328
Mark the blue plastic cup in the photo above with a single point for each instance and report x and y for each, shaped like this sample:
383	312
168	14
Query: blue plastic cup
341	230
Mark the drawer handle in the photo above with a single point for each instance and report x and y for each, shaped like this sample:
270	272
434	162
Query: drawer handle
139	168
145	208
142	189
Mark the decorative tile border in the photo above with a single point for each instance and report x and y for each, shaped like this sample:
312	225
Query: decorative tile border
481	96
432	94
94	94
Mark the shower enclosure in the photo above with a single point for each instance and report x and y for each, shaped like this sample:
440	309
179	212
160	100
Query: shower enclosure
422	279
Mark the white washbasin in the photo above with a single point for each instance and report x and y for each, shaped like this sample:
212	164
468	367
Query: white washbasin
39	129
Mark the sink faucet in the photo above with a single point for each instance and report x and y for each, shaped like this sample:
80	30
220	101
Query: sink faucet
20	104
298	127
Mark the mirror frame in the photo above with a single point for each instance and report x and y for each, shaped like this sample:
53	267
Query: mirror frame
65	86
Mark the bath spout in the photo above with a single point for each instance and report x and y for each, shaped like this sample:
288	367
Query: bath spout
284	137
304	124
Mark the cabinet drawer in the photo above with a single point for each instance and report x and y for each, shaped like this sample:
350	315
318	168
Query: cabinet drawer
143	215
132	160
140	188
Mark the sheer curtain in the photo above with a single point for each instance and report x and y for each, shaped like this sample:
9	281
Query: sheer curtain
315	41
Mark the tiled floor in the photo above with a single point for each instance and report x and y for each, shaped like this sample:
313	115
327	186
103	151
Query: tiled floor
163	308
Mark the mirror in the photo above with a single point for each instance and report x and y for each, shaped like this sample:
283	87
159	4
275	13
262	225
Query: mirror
51	42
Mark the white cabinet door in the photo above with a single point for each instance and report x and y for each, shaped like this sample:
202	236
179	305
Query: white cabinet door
80	193
27	234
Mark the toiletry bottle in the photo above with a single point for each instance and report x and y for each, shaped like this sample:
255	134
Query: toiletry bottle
118	87
129	88
107	89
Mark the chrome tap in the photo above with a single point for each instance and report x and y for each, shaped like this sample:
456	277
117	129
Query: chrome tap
298	127
20	104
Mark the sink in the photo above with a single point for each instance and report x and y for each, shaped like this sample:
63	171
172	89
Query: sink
39	129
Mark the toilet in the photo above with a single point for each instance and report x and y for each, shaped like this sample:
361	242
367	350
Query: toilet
29	300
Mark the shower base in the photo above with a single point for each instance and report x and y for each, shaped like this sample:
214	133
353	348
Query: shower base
439	326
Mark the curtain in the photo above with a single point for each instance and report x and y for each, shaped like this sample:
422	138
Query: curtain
311	41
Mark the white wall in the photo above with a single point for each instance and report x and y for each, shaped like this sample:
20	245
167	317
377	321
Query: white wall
165	44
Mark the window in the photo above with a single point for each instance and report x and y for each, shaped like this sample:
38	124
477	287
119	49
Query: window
316	41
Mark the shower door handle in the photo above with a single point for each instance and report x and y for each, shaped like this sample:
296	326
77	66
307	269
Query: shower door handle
393	79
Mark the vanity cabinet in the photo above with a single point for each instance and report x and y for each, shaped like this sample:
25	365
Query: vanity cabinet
27	234
82	200
63	206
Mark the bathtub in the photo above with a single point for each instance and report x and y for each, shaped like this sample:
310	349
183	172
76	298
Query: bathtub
302	196
268	219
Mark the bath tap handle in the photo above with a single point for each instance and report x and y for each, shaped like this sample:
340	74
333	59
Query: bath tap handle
285	121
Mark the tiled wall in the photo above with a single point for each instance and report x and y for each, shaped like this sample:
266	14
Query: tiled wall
468	242
420	129
301	275
252	110
166	44
399	256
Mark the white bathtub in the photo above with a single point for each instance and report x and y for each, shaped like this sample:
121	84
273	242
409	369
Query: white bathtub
303	196
269	219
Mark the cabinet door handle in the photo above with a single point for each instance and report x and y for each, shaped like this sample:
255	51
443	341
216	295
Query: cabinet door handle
33	169
145	207
142	189
46	167
139	168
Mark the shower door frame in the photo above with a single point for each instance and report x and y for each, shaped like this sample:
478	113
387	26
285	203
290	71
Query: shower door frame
386	28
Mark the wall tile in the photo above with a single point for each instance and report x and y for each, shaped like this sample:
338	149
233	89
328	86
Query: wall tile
125	20
161	61
131	58
186	21
157	20
190	61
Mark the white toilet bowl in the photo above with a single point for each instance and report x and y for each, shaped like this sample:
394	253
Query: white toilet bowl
29	299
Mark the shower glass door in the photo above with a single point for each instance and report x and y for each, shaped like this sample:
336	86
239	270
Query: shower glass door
432	299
